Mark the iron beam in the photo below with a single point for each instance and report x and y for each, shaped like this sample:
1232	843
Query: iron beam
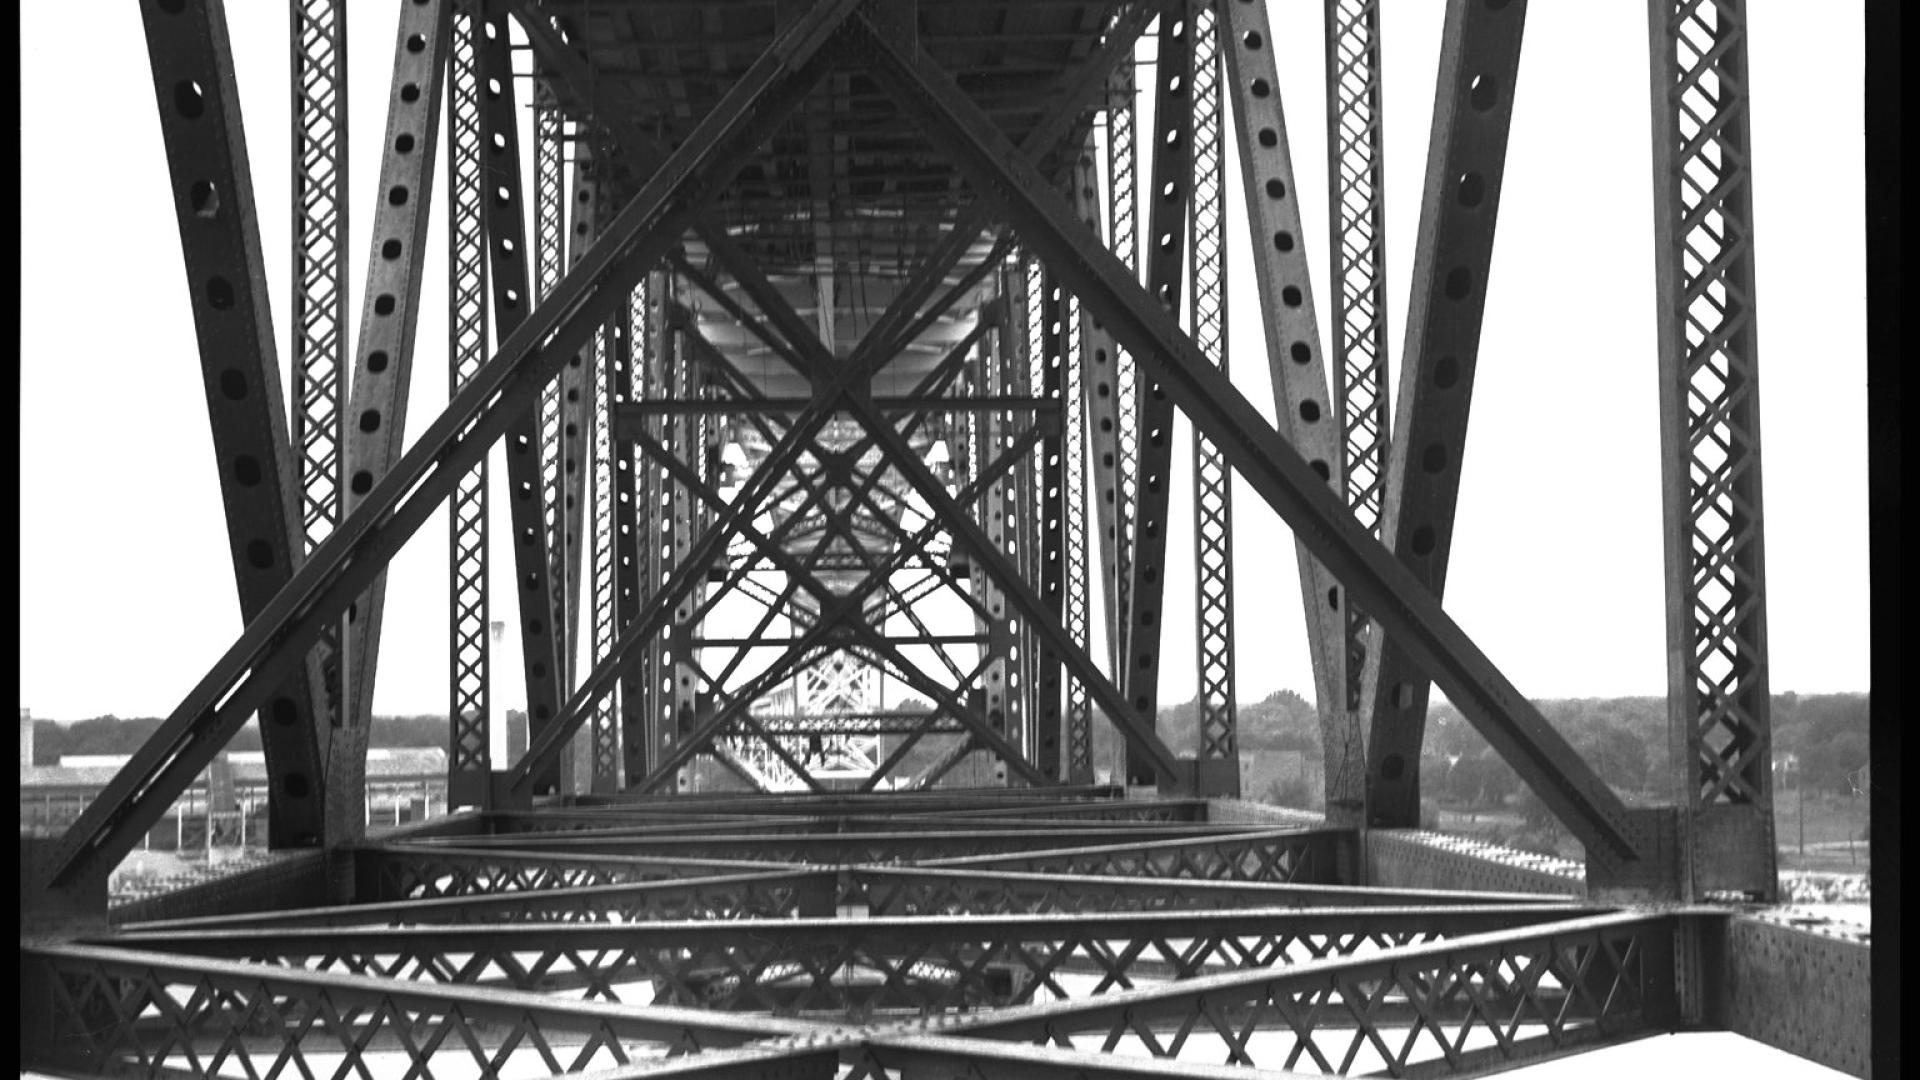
383	364
1296	365
1284	479
269	651
1171	194
1358	275
1718	696
469	699
1472	110
200	123
539	595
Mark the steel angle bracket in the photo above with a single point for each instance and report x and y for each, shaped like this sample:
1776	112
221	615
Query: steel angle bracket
1271	466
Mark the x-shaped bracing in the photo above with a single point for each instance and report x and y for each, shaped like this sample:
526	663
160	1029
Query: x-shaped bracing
344	565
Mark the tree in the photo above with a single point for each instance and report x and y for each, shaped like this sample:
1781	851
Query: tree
1619	756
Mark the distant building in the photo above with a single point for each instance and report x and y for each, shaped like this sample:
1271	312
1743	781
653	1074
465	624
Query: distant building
26	738
403	784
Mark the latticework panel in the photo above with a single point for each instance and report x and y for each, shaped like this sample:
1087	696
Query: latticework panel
1710	401
319	257
1475	1002
1213	489
549	262
1359	255
468	750
1078	720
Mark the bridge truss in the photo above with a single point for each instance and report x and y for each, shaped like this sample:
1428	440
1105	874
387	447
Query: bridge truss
844	321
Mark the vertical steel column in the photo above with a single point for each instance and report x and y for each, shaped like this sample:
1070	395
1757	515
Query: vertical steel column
1172	191
1219	751
1453	254
200	123
680	506
1023	521
383	364
319	143
557	450
632	514
1123	230
1022	533
579	403
540	636
1717	685
656	524
1048	511
469	754
700	516
983	379
1033	303
1294	360
1100	396
609	381
1357	211
1078	720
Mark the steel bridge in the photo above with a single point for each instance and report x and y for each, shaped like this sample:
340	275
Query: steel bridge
873	317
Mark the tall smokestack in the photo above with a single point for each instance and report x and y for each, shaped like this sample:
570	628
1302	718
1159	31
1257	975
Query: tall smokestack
26	738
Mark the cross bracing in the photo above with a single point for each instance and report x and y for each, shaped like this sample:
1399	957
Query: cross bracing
816	332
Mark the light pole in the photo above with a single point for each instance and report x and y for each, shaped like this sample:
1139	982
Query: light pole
1791	764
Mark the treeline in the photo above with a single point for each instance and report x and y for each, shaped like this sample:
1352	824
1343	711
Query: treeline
1623	739
112	735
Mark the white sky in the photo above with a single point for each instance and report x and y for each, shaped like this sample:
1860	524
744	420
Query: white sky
127	593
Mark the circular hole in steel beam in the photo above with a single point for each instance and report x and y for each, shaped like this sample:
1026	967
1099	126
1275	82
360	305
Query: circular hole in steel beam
259	554
189	100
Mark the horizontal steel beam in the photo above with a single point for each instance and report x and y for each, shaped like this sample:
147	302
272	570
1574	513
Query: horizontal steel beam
897	935
1537	992
903	891
1407	858
423	872
1280	855
626	416
883	847
928	964
922	1054
766	894
97	997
